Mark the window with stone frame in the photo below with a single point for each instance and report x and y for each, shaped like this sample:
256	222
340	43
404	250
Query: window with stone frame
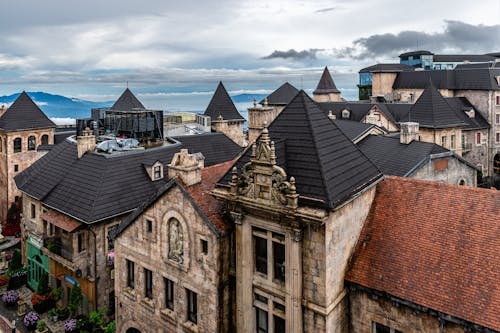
17	145
1	145
31	142
148	283
109	235
192	306
452	141
269	254
379	328
443	140
33	211
149	229
130	274
45	139
169	293
270	312
81	242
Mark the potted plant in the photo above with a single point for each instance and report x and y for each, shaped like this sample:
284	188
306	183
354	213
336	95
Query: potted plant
53	314
30	320
63	313
10	298
41	327
70	325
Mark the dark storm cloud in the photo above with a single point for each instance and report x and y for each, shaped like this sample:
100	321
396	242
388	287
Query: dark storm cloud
458	37
293	54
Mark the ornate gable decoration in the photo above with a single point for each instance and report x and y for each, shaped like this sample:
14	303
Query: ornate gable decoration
262	180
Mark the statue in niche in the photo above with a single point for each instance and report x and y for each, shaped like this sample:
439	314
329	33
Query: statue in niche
176	245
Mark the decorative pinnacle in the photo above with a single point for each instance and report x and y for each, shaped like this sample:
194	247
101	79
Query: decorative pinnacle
265	101
254	150
273	153
254	102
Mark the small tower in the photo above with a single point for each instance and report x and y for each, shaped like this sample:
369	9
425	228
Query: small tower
225	118
326	91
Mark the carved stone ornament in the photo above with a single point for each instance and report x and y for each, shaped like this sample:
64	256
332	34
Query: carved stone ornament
262	179
176	242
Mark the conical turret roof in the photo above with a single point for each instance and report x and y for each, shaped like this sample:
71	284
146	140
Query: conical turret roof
281	96
221	104
326	84
127	102
24	114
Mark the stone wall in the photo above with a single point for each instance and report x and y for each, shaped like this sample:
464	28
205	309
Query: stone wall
201	273
447	170
377	117
342	231
232	129
382	83
258	117
474	153
365	310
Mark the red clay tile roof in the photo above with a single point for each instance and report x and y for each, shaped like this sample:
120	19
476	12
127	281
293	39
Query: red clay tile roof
436	245
59	220
200	193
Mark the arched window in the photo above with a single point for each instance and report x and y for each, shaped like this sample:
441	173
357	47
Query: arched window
1	144
45	139
31	142
346	114
461	182
175	241
17	145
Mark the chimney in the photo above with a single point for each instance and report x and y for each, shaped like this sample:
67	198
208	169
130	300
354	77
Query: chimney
85	142
408	133
187	167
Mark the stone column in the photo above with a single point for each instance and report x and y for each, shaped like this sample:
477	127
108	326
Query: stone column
244	272
293	281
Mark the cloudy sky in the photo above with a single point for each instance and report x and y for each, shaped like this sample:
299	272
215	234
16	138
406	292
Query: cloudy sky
165	49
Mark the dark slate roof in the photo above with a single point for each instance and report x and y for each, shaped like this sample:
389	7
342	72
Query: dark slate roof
327	166
397	159
127	102
45	147
353	129
462	57
281	96
357	110
431	110
457	79
326	84
412	53
222	104
395	112
217	147
462	105
60	136
99	186
387	68
24	114
490	64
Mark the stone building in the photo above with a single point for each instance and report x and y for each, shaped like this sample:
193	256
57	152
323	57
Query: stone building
23	128
225	118
326	91
426	260
78	193
270	107
172	256
298	199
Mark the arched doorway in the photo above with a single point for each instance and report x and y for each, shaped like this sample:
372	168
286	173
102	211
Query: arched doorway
496	164
133	330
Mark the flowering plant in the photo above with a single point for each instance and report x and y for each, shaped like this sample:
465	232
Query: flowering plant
70	325
111	259
36	299
31	319
10	297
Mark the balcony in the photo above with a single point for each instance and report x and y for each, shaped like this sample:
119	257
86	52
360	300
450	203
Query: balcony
55	249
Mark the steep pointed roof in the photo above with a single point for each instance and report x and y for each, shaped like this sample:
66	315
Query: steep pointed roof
327	166
326	84
281	96
432	110
127	102
222	104
24	114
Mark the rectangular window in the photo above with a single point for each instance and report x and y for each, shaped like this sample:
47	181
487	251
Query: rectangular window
497	118
130	274
149	226
148	283
157	172
452	141
497	137
16	167
169	294
204	246
379	328
81	243
192	298
279	261
497	100
478	138
261	320
443	141
279	324
33	211
260	254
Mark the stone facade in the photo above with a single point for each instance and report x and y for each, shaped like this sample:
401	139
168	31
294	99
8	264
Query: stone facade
13	162
366	309
449	138
233	129
447	169
376	117
260	117
326	98
203	271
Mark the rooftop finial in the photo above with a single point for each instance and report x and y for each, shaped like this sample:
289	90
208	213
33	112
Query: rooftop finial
265	101
254	102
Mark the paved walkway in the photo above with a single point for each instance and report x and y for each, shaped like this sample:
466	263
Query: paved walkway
11	314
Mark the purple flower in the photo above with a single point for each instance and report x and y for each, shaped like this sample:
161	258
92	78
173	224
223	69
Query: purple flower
31	319
10	297
70	325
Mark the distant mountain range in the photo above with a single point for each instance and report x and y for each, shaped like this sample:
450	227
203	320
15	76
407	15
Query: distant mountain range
57	106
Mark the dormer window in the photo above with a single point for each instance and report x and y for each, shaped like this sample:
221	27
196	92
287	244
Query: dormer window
157	174
346	113
470	113
155	170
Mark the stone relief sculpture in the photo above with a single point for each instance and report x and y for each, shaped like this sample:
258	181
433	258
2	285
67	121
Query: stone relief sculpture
176	242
